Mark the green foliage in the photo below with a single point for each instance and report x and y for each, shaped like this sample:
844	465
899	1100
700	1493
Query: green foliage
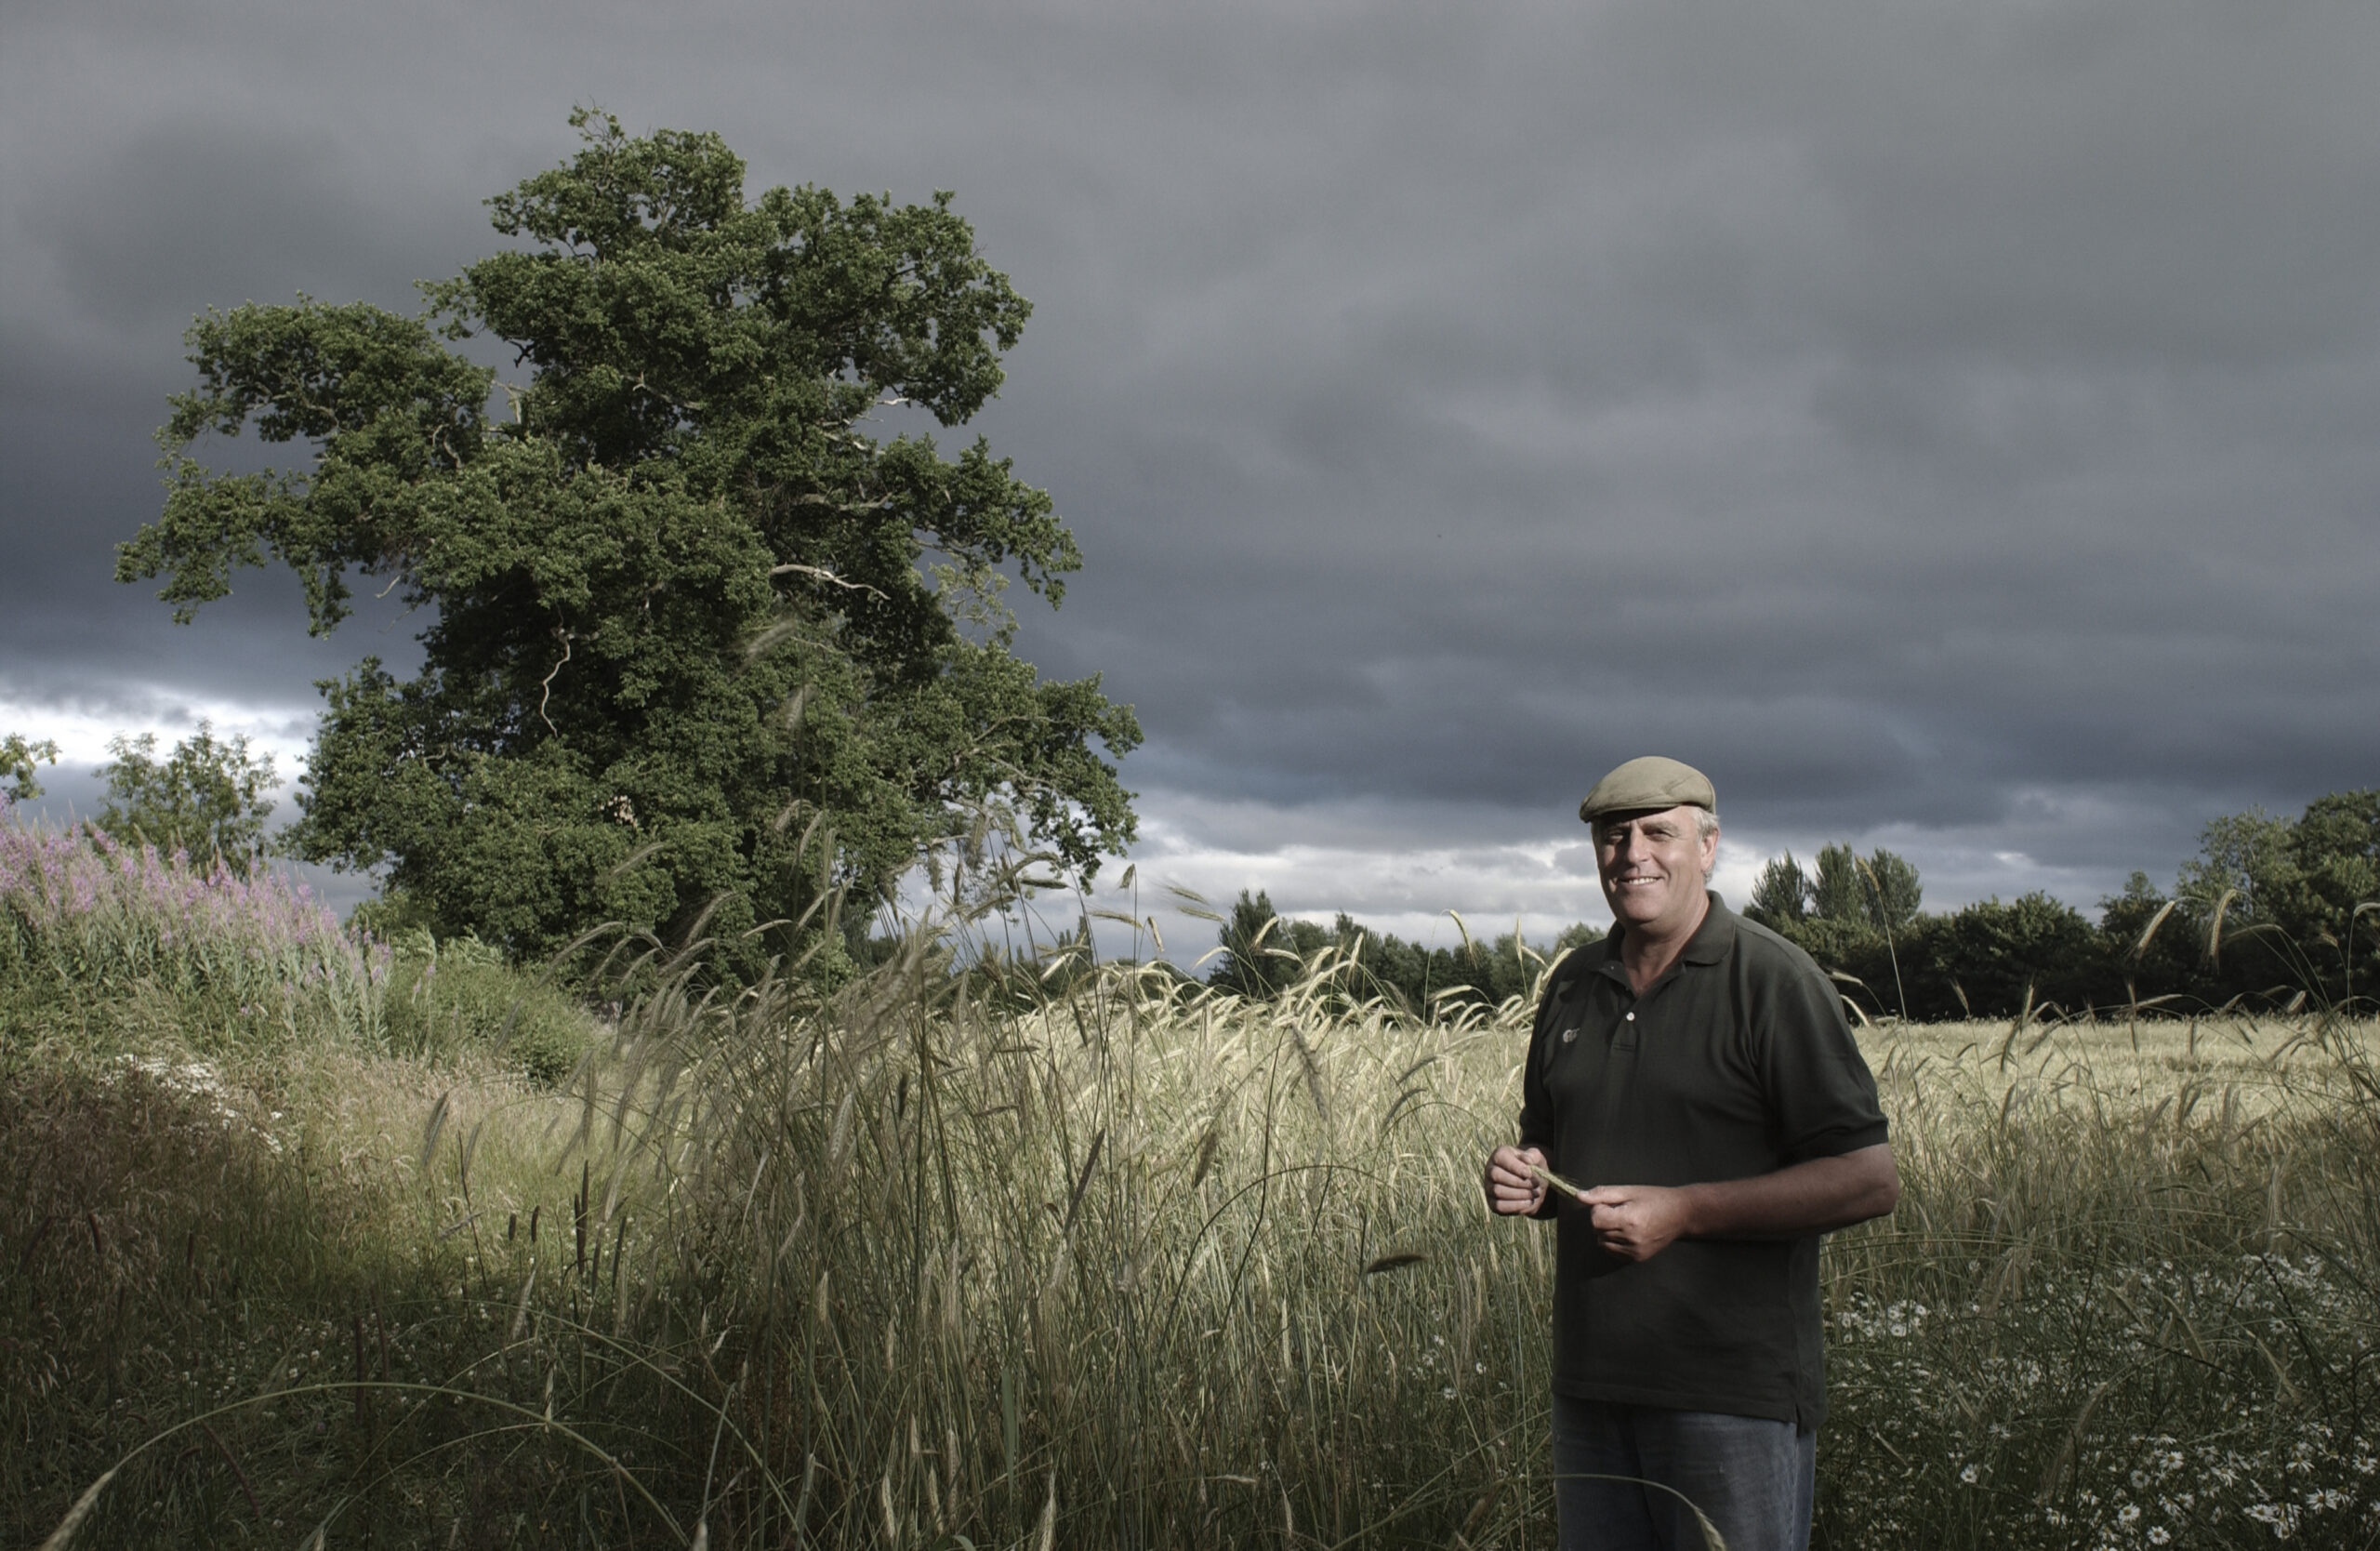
207	797
1782	893
688	614
1892	893
2148	941
1879	890
1577	935
2243	857
20	759
106	946
448	997
390	915
1260	950
1836	892
2283	895
2033	948
2271	910
2333	865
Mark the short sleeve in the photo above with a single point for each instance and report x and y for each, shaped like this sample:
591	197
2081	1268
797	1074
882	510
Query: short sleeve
1820	1090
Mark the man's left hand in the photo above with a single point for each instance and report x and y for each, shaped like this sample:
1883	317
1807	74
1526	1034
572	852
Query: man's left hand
1636	1222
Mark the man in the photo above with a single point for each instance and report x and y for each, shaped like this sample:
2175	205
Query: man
1694	1075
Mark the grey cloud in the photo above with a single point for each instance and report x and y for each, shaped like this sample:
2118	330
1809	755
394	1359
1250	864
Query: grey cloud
1951	424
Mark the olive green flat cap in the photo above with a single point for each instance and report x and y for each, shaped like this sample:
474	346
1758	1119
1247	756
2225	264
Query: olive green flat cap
1651	782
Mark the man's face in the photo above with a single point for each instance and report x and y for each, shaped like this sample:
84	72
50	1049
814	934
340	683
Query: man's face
1654	865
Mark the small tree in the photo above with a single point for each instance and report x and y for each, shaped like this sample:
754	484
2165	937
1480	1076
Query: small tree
2243	861
1998	955
1836	892
1879	890
1254	942
2289	890
1577	935
1782	895
207	796
2334	856
1893	893
20	761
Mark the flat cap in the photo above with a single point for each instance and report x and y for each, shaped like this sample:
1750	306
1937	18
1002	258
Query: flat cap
1651	782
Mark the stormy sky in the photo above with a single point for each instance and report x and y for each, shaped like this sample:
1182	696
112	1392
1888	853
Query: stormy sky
1949	426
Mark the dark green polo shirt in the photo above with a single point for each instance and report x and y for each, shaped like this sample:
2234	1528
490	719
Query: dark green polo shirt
1737	1062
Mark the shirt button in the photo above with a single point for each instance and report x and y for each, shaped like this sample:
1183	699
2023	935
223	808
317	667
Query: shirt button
1632	1017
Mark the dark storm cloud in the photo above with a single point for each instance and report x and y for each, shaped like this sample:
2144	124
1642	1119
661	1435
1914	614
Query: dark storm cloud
1951	424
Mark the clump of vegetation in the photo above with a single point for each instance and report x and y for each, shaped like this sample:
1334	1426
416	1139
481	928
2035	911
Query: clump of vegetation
21	761
2128	1299
297	1312
107	948
1261	953
209	797
445	999
101	941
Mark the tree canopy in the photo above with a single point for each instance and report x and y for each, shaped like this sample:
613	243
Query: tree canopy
21	761
1879	891
208	796
687	617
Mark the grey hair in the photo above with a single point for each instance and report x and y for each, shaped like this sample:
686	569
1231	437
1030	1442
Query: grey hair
1706	823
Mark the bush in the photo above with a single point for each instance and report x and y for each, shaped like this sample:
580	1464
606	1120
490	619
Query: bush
449	997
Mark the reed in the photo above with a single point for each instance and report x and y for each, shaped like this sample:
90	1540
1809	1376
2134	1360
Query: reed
202	957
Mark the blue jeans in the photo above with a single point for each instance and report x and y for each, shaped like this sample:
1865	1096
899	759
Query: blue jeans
1751	1477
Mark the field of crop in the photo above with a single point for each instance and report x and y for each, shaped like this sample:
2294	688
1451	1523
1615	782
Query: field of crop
1078	1255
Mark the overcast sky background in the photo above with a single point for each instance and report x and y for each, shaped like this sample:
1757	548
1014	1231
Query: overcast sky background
1952	427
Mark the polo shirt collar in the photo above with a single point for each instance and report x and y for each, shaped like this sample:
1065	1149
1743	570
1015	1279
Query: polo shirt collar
1711	941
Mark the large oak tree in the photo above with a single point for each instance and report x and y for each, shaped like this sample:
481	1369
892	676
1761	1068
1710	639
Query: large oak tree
684	609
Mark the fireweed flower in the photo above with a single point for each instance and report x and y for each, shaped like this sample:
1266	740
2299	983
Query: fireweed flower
80	908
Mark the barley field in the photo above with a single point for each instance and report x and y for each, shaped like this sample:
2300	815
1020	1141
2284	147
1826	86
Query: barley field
1056	1253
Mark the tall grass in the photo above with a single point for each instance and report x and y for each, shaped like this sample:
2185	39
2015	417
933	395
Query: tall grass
2129	1298
205	956
1024	1251
1191	1268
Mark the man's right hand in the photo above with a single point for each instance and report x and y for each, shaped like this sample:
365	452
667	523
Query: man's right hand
1513	1191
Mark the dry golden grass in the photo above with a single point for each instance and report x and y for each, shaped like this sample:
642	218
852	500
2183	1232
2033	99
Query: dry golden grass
2146	1059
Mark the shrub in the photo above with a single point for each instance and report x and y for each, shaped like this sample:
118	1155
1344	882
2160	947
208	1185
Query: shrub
449	997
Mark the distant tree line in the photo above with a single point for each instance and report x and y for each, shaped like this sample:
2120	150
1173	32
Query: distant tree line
2270	910
2266	911
1265	952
